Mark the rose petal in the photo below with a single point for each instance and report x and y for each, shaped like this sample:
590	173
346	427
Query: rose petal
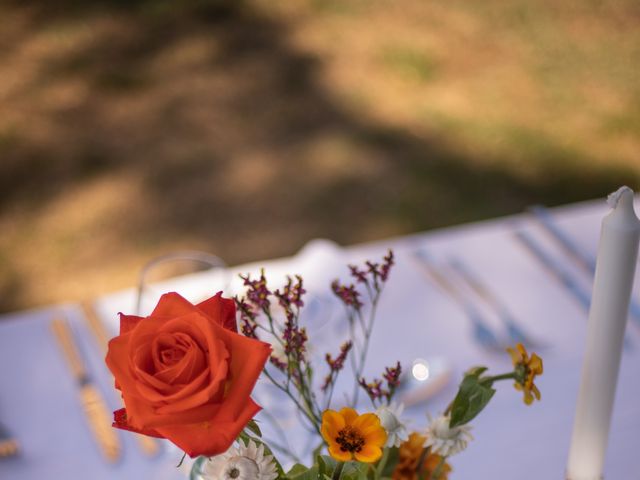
220	310
173	305
192	363
216	384
120	420
128	322
158	397
117	360
217	357
212	437
246	363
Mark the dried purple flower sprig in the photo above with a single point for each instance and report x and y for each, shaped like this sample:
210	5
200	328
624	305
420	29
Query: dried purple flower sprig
335	366
372	278
293	372
377	394
256	314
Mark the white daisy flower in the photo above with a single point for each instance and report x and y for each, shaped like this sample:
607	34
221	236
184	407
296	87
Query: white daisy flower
240	463
390	420
447	441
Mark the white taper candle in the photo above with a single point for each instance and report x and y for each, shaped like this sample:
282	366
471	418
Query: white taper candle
615	269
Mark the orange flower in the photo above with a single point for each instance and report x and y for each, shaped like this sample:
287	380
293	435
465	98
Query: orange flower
526	368
431	465
185	374
351	435
409	456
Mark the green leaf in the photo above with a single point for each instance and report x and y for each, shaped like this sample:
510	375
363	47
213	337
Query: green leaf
476	371
254	428
392	460
356	471
322	467
471	399
317	450
296	470
326	465
300	472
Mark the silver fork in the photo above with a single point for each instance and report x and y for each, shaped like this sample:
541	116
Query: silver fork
481	332
8	445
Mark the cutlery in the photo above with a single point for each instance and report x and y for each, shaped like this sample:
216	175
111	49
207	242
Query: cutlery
516	332
561	274
93	405
555	268
8	445
581	257
148	445
482	334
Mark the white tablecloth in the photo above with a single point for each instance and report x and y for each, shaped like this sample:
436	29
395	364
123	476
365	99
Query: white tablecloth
416	319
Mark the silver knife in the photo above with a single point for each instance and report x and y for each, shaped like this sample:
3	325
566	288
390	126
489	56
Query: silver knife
95	409
582	258
561	273
481	331
148	445
515	331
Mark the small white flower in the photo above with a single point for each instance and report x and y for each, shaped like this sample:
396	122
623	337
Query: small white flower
447	441
240	463
389	416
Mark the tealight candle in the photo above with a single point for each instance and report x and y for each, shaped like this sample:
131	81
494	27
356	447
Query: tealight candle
615	269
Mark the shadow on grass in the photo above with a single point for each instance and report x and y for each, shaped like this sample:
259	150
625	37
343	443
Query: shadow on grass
225	126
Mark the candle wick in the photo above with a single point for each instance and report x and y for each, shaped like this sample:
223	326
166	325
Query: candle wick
614	198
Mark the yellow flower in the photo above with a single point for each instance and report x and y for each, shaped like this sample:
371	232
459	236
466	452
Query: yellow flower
409	455
351	435
527	369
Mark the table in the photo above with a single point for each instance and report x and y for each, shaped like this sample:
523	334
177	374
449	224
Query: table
38	401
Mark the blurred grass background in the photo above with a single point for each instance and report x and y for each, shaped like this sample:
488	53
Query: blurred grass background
246	128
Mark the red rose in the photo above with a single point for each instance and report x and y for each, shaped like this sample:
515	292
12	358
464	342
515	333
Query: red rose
186	374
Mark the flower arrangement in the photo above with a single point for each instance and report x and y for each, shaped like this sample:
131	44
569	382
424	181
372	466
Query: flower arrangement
186	374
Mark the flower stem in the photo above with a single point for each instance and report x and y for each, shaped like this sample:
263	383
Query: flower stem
496	378
382	463
338	471
365	347
310	415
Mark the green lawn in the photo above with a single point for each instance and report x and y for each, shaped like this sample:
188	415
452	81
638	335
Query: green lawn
128	129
